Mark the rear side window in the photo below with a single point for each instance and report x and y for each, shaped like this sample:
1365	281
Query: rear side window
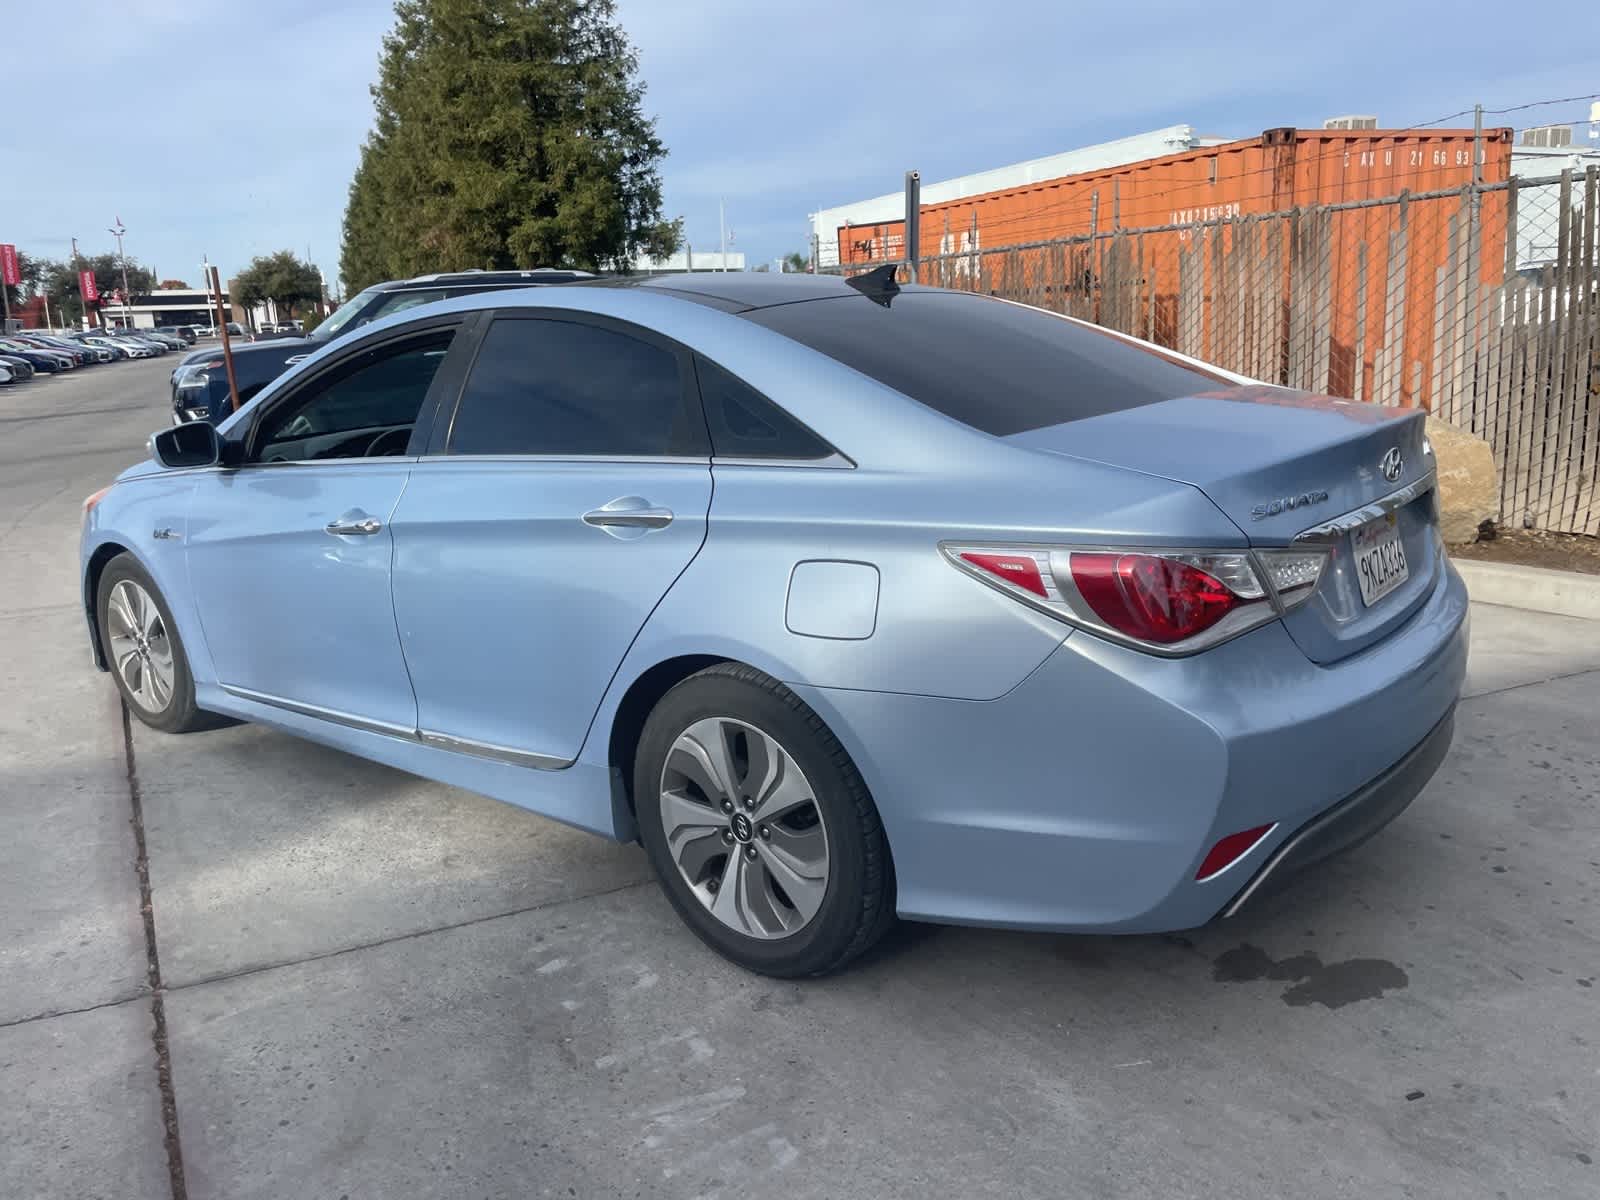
745	424
999	368
565	388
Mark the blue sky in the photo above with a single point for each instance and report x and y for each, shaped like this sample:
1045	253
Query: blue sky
232	129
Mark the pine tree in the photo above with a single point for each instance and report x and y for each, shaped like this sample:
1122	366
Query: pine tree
508	133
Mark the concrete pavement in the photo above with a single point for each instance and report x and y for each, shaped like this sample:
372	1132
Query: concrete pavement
376	986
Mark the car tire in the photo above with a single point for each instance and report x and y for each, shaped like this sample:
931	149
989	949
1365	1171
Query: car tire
143	650
795	878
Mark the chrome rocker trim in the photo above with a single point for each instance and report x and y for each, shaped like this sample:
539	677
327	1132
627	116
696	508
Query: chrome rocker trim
427	737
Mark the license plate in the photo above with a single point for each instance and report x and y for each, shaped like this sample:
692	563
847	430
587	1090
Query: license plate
1380	559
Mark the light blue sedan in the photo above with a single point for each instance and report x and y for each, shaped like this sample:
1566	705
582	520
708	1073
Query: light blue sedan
847	600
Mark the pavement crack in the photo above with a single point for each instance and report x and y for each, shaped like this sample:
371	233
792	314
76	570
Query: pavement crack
52	1014
158	1007
242	972
1532	683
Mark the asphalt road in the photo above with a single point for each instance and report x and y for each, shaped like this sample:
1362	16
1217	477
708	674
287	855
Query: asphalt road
374	986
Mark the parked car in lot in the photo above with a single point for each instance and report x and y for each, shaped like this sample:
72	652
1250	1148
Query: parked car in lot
5	374
156	346
847	600
81	355
200	385
97	353
184	333
18	368
45	362
166	340
122	347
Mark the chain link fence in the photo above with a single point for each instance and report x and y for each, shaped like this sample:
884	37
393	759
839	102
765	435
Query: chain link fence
1478	303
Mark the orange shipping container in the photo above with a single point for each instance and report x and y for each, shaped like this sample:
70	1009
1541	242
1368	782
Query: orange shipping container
1282	170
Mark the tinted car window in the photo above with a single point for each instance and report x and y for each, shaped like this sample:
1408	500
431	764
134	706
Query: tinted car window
745	424
997	367
400	301
365	409
560	387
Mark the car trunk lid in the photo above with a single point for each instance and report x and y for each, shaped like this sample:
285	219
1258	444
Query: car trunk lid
1281	464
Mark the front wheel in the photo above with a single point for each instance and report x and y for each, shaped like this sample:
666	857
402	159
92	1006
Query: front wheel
143	650
760	827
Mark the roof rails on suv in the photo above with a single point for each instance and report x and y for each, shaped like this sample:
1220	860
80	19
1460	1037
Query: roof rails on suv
479	275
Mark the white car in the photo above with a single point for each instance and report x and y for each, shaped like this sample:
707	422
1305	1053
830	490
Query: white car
126	346
5	374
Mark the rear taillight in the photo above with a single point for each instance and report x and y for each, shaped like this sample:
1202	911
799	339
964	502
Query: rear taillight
1153	599
1168	602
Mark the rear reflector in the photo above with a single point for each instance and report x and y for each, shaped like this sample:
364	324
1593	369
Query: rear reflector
1230	850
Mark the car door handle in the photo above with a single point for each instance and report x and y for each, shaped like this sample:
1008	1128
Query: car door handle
352	525
628	512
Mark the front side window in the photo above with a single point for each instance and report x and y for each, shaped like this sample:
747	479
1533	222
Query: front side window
363	409
564	388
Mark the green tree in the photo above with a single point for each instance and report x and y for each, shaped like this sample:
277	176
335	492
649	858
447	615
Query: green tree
281	278
508	133
796	262
32	271
59	281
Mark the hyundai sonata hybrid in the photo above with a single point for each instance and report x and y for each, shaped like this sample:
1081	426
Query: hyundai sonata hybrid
847	600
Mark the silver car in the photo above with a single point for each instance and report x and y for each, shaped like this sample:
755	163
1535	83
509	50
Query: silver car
847	600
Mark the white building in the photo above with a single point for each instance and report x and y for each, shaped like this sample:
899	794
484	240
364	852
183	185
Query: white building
690	259
1540	153
1174	139
168	306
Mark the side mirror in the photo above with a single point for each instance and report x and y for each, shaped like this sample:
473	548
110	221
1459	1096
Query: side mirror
192	444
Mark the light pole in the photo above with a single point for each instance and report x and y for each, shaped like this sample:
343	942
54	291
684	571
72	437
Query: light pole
117	231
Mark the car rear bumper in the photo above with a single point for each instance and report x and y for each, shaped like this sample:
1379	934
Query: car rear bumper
1086	797
1350	822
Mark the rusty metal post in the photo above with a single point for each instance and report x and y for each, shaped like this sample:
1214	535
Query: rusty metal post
227	347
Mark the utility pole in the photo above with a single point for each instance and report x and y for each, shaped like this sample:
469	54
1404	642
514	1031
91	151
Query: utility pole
117	231
722	224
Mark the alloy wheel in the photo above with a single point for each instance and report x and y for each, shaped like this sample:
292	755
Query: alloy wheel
141	651
743	827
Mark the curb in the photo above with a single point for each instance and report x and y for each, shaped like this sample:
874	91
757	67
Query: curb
1564	593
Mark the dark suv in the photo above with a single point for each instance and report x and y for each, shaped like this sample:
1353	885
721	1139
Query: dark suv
200	381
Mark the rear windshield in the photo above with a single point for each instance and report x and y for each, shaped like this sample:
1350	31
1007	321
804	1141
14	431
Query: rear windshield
1000	368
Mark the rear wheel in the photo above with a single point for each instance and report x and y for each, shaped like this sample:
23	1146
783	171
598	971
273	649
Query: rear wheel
143	650
759	826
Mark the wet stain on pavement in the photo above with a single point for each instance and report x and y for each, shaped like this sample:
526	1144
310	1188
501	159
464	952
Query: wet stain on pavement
1332	985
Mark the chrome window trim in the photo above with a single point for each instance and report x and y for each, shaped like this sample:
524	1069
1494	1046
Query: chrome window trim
833	462
665	460
426	737
386	459
1332	530
521	758
322	713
